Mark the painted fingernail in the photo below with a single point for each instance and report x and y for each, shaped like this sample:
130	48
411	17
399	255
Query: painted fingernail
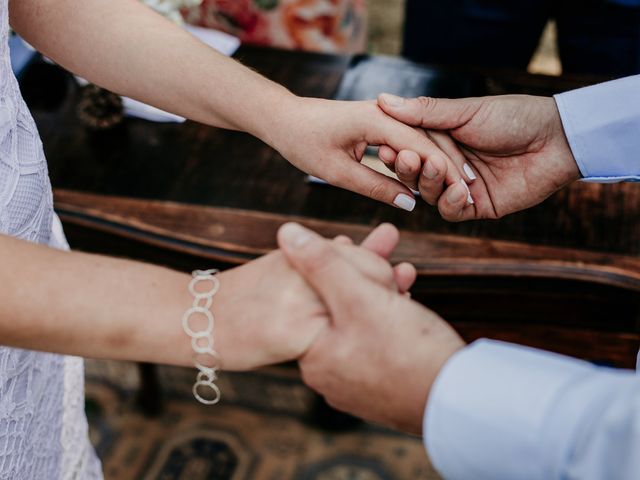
296	236
469	197
430	171
405	202
392	100
470	173
455	194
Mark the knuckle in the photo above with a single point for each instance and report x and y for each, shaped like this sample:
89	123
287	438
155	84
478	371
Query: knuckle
453	217
427	104
313	379
319	255
429	193
411	183
315	376
290	301
383	273
442	165
309	377
342	352
446	212
422	132
377	190
388	276
336	403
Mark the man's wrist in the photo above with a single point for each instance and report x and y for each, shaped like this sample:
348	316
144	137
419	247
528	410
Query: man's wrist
435	369
428	365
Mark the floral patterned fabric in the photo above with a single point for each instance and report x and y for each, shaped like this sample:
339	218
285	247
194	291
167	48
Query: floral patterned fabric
314	25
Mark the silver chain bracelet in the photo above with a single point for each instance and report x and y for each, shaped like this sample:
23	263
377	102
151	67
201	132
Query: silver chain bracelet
205	358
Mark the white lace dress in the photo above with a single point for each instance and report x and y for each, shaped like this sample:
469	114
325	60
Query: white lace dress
43	428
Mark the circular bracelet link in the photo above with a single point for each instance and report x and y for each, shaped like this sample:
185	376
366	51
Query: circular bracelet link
202	277
189	314
217	395
202	340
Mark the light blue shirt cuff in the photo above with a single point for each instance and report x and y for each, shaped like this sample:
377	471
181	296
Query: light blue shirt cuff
602	124
500	411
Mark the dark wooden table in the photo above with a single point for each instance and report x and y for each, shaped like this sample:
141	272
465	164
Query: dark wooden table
563	276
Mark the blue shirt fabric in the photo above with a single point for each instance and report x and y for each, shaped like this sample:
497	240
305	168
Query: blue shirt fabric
506	412
602	124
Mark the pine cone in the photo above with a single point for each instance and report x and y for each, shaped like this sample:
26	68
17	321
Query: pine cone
100	109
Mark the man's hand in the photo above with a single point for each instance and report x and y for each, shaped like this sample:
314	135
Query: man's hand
512	149
328	139
266	313
382	351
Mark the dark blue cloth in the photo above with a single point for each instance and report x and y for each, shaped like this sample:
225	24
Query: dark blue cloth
594	36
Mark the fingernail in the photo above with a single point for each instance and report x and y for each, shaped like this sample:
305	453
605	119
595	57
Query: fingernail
430	171
405	202
296	236
470	173
469	197
455	194
392	100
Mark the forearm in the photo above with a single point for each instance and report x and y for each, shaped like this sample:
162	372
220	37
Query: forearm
91	306
100	307
124	46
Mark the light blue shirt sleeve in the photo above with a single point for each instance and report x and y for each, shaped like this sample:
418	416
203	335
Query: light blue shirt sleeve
505	412
602	124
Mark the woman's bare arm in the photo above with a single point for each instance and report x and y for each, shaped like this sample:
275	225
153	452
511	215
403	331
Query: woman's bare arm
128	48
101	307
89	305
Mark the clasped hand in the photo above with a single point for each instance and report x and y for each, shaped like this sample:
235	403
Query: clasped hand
475	158
343	312
511	151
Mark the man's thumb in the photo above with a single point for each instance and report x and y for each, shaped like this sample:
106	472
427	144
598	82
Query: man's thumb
428	112
320	263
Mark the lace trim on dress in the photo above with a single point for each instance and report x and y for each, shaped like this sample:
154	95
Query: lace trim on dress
43	427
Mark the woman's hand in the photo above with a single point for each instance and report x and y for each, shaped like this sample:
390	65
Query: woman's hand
328	139
266	313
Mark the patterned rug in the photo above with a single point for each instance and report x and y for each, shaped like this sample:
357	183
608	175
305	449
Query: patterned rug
267	427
